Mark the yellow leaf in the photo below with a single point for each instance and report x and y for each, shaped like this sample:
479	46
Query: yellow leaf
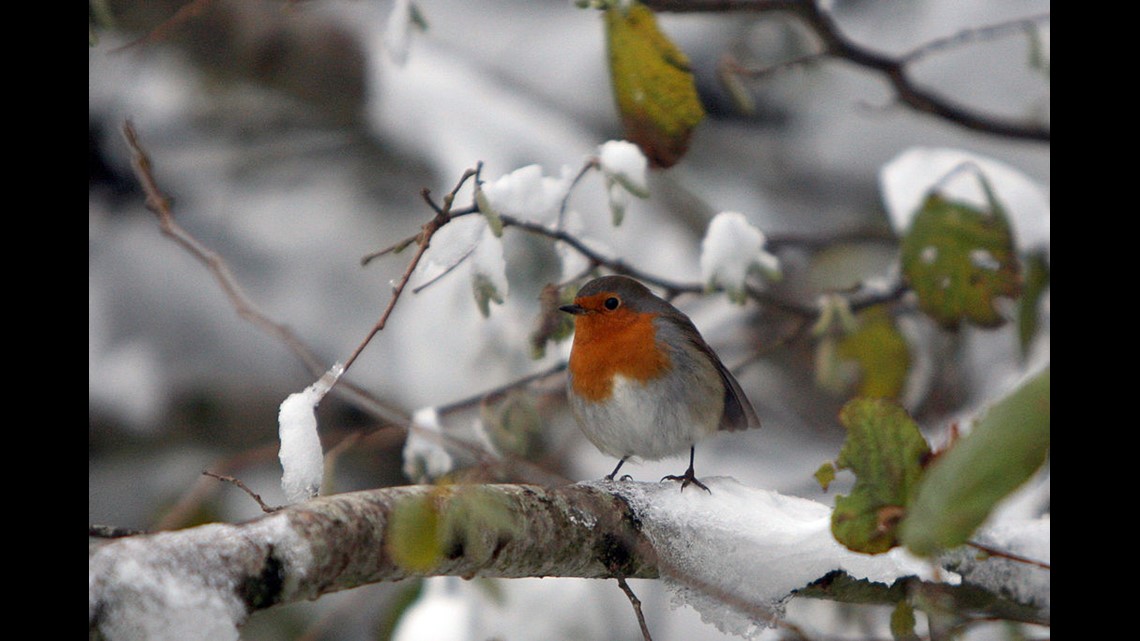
881	352
653	85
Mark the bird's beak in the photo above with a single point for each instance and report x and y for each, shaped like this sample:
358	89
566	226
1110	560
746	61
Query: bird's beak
573	309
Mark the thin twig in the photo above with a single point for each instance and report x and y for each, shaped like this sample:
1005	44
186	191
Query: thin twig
450	268
557	368
592	163
183	510
760	612
636	603
158	203
729	64
236	481
441	218
837	45
404	243
1006	555
974	35
672	288
391	249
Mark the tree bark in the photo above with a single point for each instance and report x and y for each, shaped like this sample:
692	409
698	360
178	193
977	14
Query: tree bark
347	540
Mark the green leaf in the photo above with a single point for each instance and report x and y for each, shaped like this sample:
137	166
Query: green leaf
449	520
902	622
1007	446
880	351
959	260
473	520
886	451
825	475
1028	312
413	538
653	85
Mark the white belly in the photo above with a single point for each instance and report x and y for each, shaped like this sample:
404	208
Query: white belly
649	421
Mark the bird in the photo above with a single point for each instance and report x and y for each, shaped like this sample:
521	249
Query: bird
642	382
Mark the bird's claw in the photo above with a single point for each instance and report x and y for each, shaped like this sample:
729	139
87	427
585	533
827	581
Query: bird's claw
687	478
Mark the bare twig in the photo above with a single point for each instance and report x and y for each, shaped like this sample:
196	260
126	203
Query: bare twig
589	164
423	239
557	368
236	481
1006	555
158	203
672	288
977	34
636	603
450	268
183	510
393	249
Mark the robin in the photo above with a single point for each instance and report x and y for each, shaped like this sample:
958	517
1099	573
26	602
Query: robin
642	380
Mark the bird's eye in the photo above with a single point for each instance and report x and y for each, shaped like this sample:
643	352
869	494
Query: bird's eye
612	303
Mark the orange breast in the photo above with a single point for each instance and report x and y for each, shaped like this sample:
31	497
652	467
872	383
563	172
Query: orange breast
616	343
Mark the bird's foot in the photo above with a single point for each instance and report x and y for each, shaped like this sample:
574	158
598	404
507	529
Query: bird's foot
689	477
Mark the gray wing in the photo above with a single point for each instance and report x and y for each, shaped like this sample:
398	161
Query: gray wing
738	412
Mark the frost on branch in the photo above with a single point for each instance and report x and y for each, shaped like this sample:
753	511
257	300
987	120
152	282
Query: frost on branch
195	584
302	458
737	555
733	248
1015	579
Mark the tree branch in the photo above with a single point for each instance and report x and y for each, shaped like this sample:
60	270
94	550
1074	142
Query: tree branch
423	240
344	541
158	203
221	573
837	45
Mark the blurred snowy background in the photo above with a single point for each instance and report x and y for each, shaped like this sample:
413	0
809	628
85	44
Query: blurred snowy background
295	138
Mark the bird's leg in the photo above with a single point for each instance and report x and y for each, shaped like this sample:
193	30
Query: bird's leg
689	476
611	475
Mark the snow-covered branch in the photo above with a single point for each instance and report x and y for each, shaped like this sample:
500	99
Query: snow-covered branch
174	584
736	555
